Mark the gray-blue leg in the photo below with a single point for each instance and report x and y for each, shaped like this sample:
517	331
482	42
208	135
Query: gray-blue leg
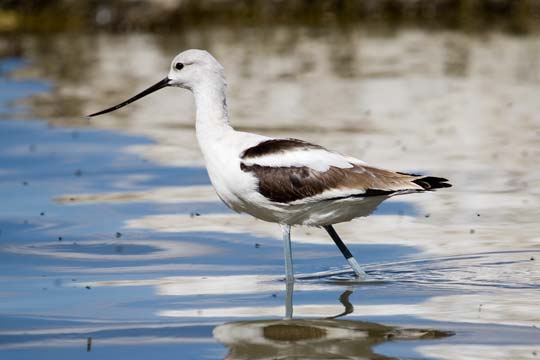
289	300
287	251
346	253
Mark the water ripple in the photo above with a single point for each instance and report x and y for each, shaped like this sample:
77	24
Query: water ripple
510	270
122	250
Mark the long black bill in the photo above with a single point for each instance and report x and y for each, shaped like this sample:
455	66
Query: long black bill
161	84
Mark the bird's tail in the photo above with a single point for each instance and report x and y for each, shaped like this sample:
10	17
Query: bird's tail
432	182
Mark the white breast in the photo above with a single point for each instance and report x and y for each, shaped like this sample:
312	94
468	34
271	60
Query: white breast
236	188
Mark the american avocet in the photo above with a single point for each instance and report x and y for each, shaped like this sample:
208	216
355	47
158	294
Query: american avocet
285	181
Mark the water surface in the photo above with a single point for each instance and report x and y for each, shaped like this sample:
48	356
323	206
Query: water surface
113	243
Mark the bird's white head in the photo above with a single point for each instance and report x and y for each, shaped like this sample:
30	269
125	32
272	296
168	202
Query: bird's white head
191	69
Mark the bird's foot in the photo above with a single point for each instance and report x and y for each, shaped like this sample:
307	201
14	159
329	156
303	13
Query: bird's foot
360	274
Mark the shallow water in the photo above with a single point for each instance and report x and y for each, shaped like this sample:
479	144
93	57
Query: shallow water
113	243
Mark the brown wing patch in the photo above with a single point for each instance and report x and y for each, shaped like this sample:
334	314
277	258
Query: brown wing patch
287	184
275	146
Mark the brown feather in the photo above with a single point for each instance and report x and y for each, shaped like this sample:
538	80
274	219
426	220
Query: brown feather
287	184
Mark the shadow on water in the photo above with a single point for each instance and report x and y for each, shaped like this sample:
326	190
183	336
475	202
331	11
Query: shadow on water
313	338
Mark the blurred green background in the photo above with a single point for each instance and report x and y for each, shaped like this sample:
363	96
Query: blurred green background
516	16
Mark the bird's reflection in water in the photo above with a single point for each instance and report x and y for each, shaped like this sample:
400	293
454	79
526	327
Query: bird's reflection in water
327	338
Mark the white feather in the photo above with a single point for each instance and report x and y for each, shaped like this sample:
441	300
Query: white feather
316	159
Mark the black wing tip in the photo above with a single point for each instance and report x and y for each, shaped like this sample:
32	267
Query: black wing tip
432	182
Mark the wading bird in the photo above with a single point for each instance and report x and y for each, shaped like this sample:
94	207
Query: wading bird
285	181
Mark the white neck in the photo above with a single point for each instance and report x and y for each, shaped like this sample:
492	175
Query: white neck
212	118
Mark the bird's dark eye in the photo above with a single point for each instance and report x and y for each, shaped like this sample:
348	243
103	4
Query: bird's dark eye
179	66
